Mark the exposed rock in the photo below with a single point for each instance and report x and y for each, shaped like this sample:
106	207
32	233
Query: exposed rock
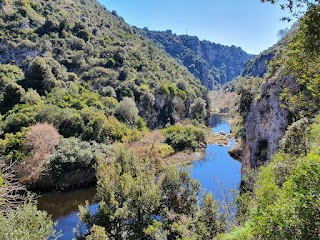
210	62
266	123
236	152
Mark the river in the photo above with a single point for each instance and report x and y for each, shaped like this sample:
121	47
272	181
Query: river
217	173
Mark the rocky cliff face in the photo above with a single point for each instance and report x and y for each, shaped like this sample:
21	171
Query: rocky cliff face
212	63
266	123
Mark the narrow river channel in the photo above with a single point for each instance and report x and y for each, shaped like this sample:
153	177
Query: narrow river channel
217	173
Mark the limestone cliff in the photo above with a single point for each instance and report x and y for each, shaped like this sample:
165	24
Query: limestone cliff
266	123
212	63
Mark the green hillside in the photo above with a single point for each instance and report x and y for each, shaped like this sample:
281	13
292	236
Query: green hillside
214	64
67	49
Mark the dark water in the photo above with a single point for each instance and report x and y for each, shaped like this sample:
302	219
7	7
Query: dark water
63	206
217	173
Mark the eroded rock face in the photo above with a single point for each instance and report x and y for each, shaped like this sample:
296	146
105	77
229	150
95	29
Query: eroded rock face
210	62
266	123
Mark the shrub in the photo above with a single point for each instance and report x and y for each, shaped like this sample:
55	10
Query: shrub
180	137
73	154
42	140
198	110
31	97
40	76
296	139
127	111
26	222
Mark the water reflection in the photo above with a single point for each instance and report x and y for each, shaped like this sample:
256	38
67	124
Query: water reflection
63	206
217	173
218	124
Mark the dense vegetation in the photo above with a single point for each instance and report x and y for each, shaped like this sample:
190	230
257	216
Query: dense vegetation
136	206
281	200
77	84
214	64
19	216
76	54
74	74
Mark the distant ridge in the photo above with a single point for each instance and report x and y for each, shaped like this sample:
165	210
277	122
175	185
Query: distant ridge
214	64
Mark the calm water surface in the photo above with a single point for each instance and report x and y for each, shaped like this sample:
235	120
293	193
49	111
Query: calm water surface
217	173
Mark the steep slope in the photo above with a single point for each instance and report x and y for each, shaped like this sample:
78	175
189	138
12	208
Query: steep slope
212	63
266	123
73	68
257	66
80	41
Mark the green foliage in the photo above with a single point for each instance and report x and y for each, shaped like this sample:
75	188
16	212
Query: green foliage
97	233
198	110
10	91
212	70
76	63
301	60
127	111
72	154
31	97
285	200
180	137
291	211
27	223
106	129
40	76
247	89
12	146
129	196
296	139
133	203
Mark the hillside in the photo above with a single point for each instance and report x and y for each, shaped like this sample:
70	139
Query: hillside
214	64
75	79
82	43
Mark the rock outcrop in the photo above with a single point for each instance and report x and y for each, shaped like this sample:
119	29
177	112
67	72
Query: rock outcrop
266	123
212	63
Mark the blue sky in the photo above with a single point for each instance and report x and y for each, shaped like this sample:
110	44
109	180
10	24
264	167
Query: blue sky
248	24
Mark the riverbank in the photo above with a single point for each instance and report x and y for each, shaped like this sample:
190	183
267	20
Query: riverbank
216	171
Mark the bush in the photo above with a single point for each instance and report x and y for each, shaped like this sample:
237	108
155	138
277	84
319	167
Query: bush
127	111
40	76
198	110
73	154
296	139
26	222
42	140
180	137
31	97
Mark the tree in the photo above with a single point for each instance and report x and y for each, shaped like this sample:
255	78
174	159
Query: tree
129	196
127	111
198	110
42	140
137	204
31	97
26	222
40	76
10	91
297	138
296	7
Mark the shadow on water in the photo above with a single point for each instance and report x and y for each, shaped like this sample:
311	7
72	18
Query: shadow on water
217	173
63	207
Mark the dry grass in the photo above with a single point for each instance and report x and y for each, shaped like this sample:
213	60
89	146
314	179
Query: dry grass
152	145
223	102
